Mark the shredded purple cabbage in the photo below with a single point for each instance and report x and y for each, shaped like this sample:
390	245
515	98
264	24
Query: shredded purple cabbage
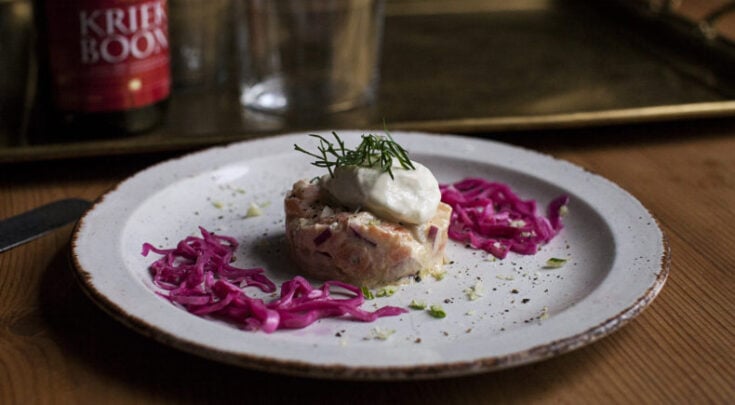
197	276
490	216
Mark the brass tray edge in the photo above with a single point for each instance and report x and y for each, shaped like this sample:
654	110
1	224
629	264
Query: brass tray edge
576	119
477	126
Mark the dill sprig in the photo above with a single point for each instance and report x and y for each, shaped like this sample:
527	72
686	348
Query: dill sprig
374	150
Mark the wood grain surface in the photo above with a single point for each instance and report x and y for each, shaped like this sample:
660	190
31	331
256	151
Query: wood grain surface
56	346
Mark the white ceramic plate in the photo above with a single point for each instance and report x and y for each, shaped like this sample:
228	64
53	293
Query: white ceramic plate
618	260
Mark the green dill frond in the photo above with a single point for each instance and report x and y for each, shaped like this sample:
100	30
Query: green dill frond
374	150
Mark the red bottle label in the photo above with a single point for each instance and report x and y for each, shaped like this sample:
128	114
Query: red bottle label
108	55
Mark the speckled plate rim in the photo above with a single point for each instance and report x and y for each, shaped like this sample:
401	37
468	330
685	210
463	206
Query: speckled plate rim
296	367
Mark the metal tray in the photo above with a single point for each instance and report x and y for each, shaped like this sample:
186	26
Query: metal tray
478	67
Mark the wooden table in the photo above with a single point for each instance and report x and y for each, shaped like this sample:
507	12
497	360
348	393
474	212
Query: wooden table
56	346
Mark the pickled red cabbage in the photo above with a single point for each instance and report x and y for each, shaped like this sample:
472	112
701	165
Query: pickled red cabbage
197	275
490	216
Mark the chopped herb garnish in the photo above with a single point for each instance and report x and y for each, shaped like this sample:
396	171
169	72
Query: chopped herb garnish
437	311
475	291
417	304
563	210
374	150
555	263
253	211
544	313
438	274
381	334
386	291
367	293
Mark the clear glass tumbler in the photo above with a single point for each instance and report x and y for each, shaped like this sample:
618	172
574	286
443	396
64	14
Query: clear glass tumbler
311	56
198	31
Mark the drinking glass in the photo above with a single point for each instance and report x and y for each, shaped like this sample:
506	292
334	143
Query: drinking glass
308	56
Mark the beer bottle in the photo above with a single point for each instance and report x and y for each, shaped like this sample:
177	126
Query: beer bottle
105	65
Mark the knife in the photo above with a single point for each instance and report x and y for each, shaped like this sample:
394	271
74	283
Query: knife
30	225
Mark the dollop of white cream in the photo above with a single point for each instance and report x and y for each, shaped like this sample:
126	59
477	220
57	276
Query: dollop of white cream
410	197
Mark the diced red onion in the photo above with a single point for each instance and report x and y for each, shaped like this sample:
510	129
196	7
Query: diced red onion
433	230
197	276
490	216
322	237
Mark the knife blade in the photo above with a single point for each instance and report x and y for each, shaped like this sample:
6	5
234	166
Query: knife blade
25	227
